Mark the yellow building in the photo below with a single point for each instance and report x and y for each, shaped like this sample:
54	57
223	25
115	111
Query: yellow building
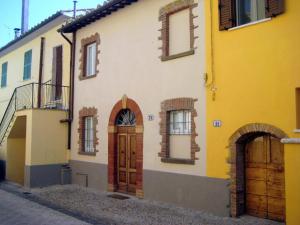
253	104
34	70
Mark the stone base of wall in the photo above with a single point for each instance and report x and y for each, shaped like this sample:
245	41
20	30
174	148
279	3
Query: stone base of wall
202	193
43	175
89	174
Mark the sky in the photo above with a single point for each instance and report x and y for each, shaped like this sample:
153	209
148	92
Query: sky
10	13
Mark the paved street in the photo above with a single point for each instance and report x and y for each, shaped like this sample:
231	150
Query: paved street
15	210
72	205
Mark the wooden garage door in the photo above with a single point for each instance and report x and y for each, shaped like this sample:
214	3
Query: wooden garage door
265	194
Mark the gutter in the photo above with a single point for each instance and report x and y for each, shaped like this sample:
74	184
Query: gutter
71	84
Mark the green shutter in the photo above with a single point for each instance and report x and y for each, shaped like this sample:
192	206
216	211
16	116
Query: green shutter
4	75
27	65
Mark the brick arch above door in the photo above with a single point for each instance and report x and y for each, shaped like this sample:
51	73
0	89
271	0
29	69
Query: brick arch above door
125	103
236	141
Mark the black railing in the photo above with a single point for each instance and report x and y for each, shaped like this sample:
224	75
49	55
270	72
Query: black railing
34	96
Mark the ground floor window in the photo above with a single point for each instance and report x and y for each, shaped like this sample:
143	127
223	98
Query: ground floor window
87	131
178	131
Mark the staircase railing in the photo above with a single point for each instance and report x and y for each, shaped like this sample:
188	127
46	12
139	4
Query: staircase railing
34	96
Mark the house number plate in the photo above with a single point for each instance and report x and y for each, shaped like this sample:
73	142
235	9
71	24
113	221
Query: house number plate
150	117
217	123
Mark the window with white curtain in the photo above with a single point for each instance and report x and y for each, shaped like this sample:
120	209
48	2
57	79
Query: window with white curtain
88	134
250	10
91	59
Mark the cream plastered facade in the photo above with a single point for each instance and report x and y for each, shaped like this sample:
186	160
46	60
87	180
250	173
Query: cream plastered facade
14	56
130	65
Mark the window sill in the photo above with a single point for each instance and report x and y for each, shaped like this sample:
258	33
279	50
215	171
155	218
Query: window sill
87	153
297	131
176	56
250	24
87	77
178	161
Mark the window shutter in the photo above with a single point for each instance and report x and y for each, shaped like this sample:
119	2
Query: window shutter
274	7
226	14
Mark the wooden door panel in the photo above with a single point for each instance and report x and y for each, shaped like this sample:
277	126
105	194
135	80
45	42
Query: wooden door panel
122	151
256	205
276	153
132	151
256	173
126	159
265	194
132	162
276	205
256	187
256	152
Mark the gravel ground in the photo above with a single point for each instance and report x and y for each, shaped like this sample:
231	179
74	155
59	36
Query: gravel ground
97	205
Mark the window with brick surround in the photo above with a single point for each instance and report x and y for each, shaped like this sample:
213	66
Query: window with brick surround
87	131
298	108
178	131
89	57
177	32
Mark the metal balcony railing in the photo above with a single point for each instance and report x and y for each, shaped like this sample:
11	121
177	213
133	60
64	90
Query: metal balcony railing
34	96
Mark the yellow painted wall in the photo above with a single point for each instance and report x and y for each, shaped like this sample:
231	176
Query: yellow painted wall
46	137
15	61
15	163
292	181
49	137
256	72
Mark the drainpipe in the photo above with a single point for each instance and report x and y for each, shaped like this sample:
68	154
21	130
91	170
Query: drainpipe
71	84
41	71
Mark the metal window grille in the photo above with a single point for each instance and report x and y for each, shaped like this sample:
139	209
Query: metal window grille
88	134
180	122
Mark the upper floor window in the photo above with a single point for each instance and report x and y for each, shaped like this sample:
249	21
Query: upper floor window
89	57
4	75
27	65
90	60
234	13
249	11
177	33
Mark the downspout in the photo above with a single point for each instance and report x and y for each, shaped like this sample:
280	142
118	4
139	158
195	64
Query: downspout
71	84
212	84
41	68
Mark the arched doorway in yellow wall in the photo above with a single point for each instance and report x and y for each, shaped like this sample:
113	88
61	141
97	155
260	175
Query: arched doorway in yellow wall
257	172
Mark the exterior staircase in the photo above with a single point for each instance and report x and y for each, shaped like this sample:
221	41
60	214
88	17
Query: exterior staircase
33	96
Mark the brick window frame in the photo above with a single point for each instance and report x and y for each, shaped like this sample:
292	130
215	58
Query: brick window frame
95	38
164	15
172	105
83	113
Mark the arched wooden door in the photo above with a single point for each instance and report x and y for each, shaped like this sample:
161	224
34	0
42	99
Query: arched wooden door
264	177
126	163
